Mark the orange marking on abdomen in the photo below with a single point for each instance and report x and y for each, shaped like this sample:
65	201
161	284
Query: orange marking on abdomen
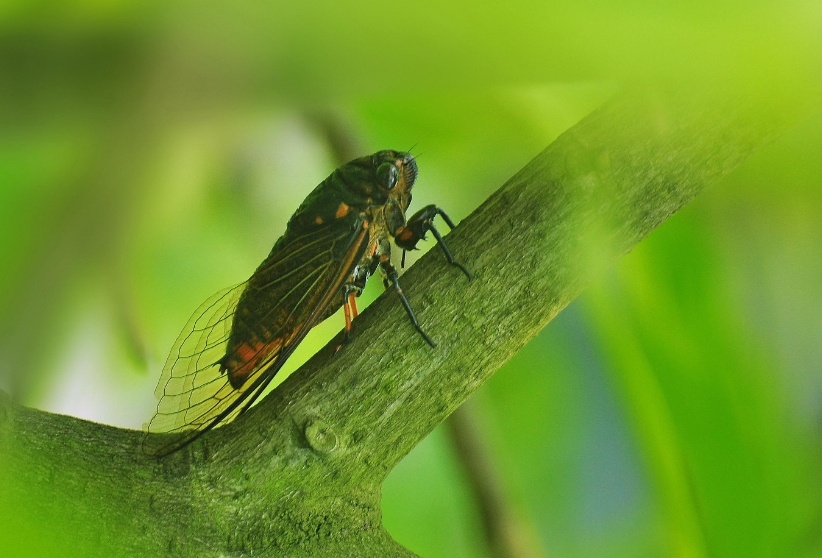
245	360
247	353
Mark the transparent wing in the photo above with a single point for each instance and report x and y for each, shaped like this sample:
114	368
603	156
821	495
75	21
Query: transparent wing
192	385
278	305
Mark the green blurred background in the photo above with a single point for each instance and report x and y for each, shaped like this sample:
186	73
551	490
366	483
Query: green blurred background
151	153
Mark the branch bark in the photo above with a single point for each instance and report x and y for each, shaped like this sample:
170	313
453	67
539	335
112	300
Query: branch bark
300	474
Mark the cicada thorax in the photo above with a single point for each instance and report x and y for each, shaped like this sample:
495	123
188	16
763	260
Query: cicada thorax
382	221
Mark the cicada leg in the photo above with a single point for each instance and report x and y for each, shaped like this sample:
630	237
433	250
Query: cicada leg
352	302
420	223
350	294
393	277
347	311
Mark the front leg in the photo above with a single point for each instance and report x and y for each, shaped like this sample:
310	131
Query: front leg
422	221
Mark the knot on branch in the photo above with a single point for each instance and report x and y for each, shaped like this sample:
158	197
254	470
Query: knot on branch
320	436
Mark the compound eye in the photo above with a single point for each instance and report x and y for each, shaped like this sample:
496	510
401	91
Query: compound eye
387	175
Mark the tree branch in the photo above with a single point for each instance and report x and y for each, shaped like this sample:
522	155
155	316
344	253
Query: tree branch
300	474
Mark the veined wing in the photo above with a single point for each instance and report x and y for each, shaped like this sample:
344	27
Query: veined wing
239	338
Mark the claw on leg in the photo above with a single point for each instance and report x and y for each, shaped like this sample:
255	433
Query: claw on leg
445	249
420	223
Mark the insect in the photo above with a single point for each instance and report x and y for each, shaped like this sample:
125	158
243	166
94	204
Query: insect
238	339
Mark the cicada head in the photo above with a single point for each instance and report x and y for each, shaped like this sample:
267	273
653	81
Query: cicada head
395	170
372	180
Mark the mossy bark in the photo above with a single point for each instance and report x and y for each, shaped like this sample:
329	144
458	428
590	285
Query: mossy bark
300	474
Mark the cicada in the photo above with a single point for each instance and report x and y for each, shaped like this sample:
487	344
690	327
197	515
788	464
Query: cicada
238	339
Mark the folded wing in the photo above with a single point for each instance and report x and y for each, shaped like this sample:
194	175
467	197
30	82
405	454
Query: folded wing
238	339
